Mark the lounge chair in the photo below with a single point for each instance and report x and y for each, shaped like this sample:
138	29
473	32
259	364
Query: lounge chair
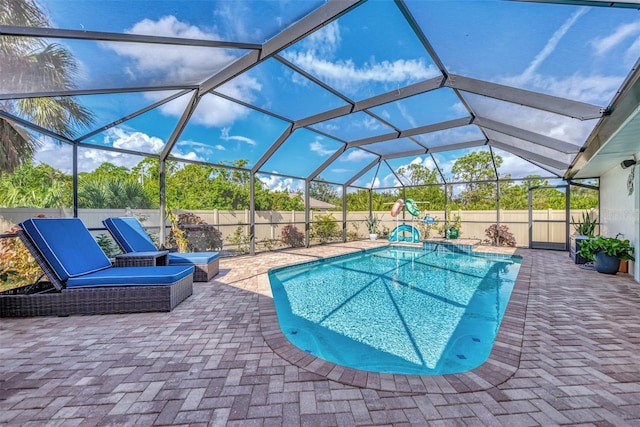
83	280
131	236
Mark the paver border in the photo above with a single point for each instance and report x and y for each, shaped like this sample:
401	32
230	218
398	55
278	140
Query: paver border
502	363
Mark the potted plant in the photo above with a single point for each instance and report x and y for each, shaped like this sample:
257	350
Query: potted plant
584	230
450	229
606	252
177	233
372	222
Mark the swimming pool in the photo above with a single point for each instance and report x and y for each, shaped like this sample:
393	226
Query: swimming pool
404	310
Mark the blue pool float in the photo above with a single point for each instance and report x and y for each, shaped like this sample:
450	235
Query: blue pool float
398	234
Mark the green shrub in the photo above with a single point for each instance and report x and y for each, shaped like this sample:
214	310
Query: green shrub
240	239
108	246
325	229
267	244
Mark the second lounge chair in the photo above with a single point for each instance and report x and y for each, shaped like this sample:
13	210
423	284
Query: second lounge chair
131	236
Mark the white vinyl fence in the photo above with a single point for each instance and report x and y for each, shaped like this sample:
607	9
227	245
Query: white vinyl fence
269	224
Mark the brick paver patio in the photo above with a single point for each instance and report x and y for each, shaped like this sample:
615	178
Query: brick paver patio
568	352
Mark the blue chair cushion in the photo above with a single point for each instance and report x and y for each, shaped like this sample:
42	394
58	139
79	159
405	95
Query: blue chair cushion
67	245
131	276
130	234
191	258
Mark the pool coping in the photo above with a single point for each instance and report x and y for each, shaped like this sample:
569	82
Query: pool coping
502	363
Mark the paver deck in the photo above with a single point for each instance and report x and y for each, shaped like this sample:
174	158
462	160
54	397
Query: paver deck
568	352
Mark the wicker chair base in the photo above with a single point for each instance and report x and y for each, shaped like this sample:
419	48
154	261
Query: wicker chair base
99	300
205	272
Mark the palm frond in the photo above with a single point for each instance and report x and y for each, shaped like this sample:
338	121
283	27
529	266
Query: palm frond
25	13
15	145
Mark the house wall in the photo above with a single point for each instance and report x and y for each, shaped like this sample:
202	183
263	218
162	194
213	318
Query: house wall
620	211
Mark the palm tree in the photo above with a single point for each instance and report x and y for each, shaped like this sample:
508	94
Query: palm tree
26	61
112	193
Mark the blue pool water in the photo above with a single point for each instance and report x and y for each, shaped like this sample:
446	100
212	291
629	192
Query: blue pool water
397	309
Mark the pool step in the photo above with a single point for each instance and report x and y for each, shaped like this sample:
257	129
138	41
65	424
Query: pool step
447	246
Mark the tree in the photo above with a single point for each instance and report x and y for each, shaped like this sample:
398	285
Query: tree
423	186
196	186
112	193
583	198
112	187
321	190
359	201
278	200
28	61
514	196
35	186
110	171
471	169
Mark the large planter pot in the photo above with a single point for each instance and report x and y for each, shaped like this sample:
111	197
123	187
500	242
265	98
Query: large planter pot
607	264
373	236
574	248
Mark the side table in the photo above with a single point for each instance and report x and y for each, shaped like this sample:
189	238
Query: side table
142	259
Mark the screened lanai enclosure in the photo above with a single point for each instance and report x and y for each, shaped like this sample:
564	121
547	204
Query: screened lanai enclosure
260	116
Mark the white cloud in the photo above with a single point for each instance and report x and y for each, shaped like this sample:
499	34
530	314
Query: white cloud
370	123
319	148
459	109
357	155
633	53
171	64
317	53
344	74
374	184
407	116
60	156
516	167
203	150
120	138
167	63
324	42
390	179
188	156
597	89
426	162
230	14
277	183
622	33
551	44
327	127
224	135
342	170
212	111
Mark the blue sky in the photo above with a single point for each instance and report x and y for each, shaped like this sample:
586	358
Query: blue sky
579	53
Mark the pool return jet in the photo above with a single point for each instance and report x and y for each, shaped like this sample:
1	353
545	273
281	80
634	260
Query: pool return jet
405	232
